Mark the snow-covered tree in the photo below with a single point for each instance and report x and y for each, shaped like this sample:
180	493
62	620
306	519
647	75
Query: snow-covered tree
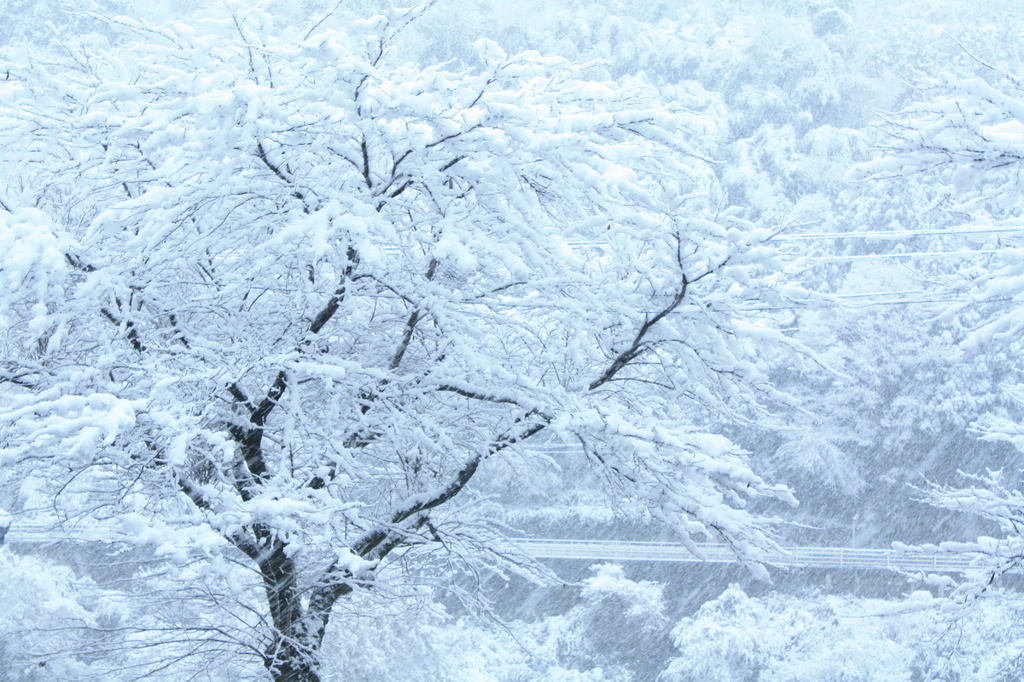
580	638
968	143
49	620
839	638
281	304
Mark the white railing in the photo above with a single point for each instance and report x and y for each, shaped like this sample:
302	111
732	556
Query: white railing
606	550
35	532
789	557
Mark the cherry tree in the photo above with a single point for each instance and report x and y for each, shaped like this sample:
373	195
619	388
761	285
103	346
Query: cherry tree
281	304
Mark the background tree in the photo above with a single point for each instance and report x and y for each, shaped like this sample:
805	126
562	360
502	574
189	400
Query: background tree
968	142
786	104
280	304
840	637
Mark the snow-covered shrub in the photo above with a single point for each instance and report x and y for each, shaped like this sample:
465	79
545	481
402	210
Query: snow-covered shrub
737	638
45	618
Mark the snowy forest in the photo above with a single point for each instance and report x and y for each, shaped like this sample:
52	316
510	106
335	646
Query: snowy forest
317	317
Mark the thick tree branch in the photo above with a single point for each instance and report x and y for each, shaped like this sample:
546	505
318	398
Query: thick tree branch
377	544
243	542
374	546
250	438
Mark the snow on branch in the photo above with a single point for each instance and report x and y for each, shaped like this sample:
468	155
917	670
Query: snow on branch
307	300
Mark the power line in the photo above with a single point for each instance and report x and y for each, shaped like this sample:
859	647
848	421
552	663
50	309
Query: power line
888	234
894	235
916	254
886	293
867	304
905	302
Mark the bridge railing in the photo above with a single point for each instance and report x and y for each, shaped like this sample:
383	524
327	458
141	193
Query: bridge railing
604	550
789	557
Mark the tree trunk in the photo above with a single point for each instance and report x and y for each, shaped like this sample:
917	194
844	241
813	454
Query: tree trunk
292	655
301	668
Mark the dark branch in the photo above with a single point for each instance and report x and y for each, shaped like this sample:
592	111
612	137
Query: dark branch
372	541
263	157
240	540
77	263
325	315
465	393
178	332
277	171
410	325
132	333
250	438
451	163
374	546
401	189
639	344
366	163
260	414
239	395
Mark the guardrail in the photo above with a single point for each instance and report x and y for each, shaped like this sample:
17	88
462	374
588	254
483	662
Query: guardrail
38	532
790	557
608	550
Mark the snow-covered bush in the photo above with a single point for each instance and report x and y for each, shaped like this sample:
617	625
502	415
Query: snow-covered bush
777	638
616	625
53	624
